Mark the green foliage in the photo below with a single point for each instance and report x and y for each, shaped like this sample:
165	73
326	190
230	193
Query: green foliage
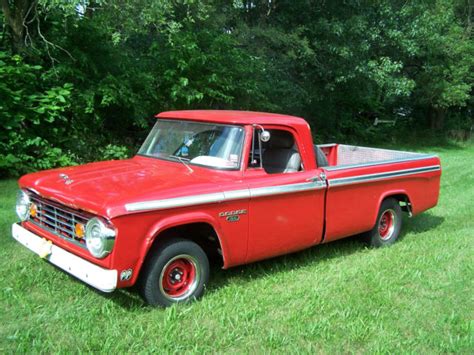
444	53
88	79
111	151
32	116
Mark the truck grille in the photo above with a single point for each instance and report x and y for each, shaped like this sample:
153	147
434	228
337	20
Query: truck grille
58	219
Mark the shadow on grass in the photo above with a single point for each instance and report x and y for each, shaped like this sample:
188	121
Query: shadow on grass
129	299
420	224
316	254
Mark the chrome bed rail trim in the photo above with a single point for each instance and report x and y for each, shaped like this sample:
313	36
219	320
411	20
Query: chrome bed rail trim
285	189
381	176
326	145
231	195
381	162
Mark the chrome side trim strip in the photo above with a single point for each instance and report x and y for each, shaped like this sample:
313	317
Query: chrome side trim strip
223	196
381	162
285	189
381	176
175	202
236	194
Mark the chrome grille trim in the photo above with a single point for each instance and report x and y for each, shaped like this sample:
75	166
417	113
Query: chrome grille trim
58	219
62	210
55	225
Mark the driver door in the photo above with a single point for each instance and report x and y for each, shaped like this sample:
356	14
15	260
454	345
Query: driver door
286	209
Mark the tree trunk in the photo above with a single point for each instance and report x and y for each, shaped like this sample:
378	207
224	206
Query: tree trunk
15	15
436	116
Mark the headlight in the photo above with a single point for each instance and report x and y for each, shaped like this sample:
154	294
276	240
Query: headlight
23	204
99	238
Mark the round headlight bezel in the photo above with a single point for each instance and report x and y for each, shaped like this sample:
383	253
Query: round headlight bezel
100	238
22	206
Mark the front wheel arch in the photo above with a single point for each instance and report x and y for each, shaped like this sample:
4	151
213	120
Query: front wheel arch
202	233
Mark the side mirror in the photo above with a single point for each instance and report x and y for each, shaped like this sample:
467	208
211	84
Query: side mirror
265	136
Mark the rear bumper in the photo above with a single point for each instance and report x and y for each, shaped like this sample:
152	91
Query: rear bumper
102	279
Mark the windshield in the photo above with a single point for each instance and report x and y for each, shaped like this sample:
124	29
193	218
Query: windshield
212	145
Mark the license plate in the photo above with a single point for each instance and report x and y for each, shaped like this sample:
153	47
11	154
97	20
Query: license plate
45	248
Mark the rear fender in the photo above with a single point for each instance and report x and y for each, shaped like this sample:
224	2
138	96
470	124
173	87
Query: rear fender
385	195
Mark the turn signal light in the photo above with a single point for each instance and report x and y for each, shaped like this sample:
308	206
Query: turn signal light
79	230
33	210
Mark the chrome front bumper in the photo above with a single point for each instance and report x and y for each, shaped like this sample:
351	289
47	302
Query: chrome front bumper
102	279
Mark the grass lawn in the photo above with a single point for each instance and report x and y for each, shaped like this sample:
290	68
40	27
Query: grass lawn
416	296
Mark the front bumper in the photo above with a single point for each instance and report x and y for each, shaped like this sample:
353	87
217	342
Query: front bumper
102	279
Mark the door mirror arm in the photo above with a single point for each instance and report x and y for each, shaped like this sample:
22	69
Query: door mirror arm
263	136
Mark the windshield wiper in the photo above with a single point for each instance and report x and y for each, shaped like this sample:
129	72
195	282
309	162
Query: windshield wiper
183	161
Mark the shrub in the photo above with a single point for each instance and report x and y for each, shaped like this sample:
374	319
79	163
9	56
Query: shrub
32	118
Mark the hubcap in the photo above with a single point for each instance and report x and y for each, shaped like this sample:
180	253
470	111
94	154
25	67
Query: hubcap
180	277
387	224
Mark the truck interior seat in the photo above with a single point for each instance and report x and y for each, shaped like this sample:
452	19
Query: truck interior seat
279	155
321	159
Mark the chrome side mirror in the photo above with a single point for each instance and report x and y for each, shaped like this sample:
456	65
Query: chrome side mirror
265	136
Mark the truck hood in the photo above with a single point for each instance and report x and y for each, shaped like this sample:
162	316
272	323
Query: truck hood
103	188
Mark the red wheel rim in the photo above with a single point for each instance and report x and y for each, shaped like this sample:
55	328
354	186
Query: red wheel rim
179	277
386	224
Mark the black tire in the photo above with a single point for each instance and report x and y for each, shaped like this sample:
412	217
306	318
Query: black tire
176	272
388	225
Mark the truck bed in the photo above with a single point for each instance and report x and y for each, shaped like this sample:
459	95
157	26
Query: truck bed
360	178
342	156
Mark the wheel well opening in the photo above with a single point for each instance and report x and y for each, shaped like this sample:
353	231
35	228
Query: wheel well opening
404	202
203	234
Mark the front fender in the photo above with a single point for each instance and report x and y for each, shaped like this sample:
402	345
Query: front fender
178	220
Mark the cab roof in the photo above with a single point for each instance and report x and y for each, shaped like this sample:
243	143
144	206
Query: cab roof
234	117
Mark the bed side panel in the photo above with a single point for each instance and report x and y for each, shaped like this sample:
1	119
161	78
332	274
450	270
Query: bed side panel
355	194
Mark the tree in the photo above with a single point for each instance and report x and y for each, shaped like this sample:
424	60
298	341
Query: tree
338	64
17	13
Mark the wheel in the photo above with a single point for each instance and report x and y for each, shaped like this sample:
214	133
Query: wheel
388	226
178	271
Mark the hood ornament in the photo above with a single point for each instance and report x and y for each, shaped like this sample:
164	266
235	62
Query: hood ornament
66	179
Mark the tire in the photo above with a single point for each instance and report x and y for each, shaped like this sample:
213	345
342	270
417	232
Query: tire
389	223
176	272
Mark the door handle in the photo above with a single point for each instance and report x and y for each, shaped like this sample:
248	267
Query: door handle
320	177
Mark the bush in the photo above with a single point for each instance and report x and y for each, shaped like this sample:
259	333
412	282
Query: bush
32	118
112	152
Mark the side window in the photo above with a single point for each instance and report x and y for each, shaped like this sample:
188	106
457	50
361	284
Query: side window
279	155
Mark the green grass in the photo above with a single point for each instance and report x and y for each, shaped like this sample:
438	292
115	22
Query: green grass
416	296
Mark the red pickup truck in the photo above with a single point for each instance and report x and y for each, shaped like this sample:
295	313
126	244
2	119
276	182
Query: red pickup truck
230	186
